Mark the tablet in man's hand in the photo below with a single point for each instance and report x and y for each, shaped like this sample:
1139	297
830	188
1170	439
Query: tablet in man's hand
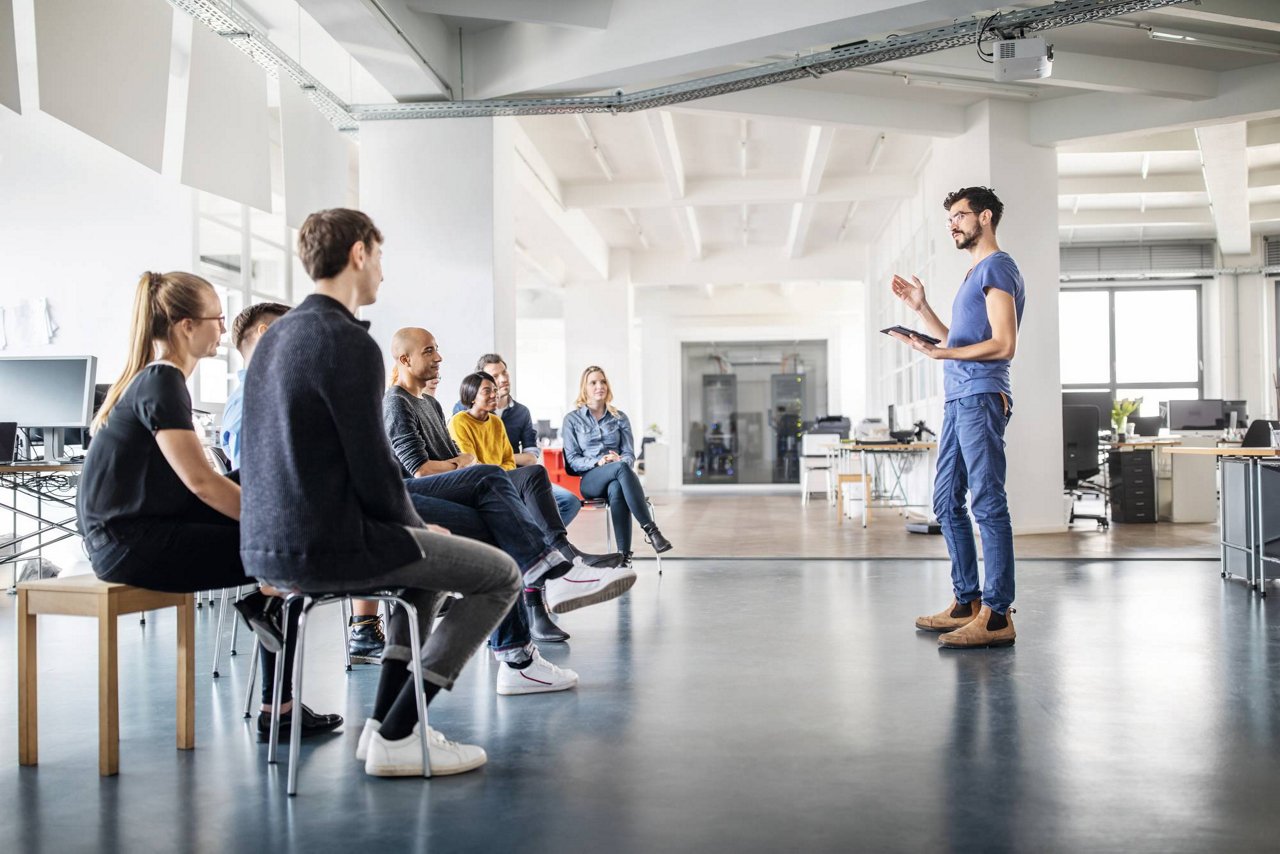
902	330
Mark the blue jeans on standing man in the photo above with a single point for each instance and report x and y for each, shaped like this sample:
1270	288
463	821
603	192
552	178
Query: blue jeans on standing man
971	458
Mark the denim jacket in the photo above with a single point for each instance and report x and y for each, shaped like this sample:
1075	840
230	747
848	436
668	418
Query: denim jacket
587	440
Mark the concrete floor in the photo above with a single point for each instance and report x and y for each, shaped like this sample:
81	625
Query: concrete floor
729	706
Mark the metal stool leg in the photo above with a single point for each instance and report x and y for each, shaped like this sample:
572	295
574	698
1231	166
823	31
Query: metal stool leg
217	637
420	691
346	621
278	684
235	624
655	521
295	731
608	529
253	678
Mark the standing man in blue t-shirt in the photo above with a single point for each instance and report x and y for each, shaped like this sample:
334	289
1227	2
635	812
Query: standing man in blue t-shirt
976	352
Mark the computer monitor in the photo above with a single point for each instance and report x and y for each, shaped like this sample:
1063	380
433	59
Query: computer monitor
1239	407
1100	399
1194	414
51	392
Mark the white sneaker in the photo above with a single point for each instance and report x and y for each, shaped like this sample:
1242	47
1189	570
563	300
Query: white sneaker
587	585
539	677
371	726
403	758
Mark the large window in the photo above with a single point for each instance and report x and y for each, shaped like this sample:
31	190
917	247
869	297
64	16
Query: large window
1133	342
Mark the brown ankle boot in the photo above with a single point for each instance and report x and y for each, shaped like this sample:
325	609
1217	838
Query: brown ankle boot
948	620
983	630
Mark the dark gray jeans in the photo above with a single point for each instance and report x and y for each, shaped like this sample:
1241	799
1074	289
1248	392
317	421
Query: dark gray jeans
487	579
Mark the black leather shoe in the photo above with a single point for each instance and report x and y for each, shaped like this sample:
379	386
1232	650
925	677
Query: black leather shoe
541	627
312	724
654	537
609	561
264	615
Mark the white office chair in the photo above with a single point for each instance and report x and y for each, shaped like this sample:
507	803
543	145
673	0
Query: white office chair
815	460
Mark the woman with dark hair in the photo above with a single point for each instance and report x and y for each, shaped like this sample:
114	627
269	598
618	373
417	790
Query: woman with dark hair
154	514
476	430
598	447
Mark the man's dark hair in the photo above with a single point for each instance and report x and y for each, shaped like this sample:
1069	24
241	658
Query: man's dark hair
471	386
490	359
326	238
980	199
249	319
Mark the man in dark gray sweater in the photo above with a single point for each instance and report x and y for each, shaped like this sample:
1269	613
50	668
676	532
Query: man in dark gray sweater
325	508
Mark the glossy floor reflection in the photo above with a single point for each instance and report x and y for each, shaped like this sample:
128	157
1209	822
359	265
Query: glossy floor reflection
729	706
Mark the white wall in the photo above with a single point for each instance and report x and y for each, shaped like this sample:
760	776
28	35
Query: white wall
79	222
441	192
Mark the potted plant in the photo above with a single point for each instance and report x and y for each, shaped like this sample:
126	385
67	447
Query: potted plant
1120	412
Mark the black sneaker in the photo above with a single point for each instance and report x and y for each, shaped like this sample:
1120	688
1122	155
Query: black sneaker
366	641
312	724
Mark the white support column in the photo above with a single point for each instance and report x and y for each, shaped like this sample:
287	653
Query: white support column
996	151
449	226
598	326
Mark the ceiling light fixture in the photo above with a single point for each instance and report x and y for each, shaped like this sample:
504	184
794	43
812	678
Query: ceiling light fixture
1162	34
877	148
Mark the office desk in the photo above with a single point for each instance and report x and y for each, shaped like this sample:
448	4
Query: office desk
875	461
53	486
1152	446
1243	517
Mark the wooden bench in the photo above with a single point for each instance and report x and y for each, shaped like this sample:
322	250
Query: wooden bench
87	596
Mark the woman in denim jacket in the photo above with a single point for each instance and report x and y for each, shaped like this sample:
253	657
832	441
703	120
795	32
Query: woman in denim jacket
598	447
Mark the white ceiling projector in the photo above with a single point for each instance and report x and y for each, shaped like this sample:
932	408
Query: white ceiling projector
1022	59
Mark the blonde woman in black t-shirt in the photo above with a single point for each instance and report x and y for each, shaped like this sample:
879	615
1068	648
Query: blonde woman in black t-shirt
154	514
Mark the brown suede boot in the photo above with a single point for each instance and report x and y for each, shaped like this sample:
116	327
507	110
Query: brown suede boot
987	629
948	620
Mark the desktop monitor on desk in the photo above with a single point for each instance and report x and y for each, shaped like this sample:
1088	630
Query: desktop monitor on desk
1193	414
54	393
1239	408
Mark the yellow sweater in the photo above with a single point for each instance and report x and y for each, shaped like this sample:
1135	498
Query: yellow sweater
485	440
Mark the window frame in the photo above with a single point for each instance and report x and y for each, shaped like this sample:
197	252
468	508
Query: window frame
1116	388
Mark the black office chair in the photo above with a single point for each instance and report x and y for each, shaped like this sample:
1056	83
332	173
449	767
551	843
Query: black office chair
1259	434
1080	459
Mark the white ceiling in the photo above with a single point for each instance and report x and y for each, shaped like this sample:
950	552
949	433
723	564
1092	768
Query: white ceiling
1121	108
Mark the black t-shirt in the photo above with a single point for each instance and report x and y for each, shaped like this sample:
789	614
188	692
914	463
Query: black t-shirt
126	477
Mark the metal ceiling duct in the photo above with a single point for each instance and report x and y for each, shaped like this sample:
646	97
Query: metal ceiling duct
1063	13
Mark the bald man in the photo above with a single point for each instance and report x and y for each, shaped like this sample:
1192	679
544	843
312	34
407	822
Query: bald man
451	490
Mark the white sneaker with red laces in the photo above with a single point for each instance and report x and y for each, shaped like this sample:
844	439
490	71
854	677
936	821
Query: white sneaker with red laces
587	585
539	677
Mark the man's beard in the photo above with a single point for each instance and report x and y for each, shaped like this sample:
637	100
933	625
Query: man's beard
968	240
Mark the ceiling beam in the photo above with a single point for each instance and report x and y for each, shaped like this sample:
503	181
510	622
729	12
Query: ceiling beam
1163	141
1243	95
1131	218
1089	185
803	102
1083	71
1264	178
817	151
413	56
705	192
1224	154
537	180
666	145
755	263
1254	14
578	14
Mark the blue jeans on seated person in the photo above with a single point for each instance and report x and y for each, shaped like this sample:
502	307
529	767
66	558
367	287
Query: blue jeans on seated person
971	458
567	503
618	483
511	640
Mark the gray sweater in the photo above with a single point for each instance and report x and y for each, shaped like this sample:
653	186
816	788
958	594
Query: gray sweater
323	498
416	428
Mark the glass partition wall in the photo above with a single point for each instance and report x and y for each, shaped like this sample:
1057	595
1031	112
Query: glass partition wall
746	403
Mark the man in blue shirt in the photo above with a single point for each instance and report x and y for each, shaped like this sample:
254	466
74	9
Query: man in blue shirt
518	422
976	351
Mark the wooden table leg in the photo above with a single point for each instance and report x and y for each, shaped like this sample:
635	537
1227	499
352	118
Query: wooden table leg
186	675
108	693
27	718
